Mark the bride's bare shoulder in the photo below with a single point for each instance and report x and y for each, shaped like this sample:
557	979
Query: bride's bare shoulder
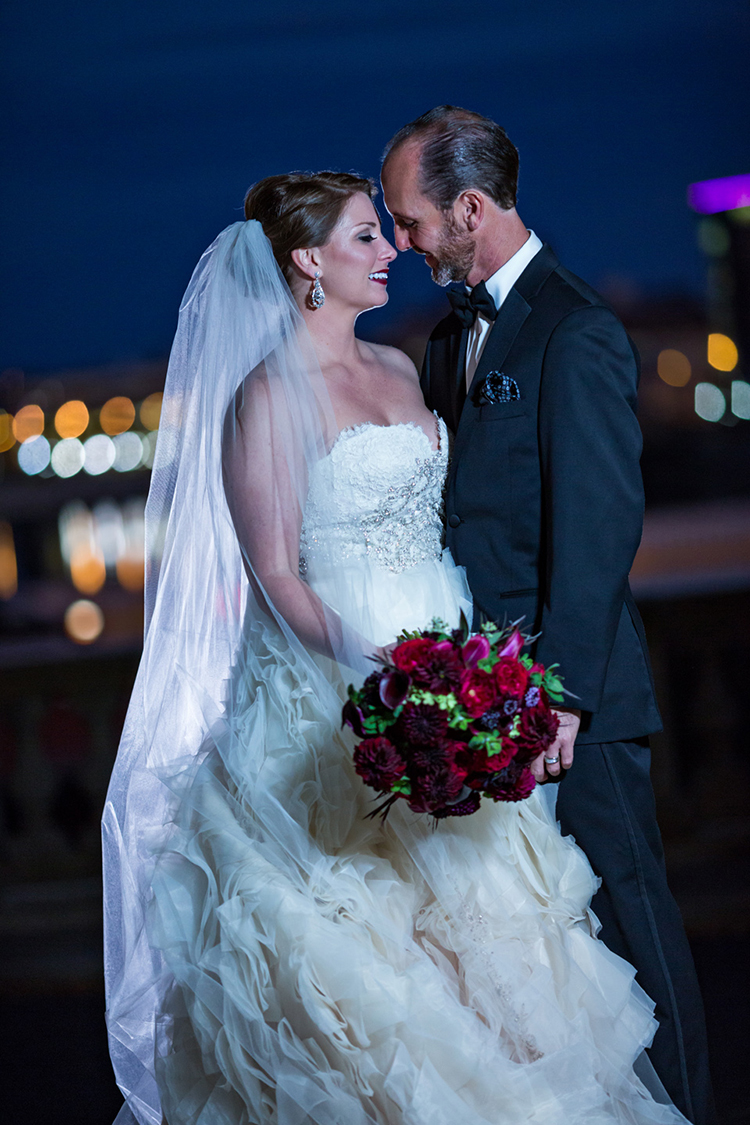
395	360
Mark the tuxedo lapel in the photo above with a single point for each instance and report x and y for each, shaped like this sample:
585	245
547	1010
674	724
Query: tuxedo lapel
513	313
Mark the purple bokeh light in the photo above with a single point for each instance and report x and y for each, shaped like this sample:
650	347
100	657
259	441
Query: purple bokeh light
709	196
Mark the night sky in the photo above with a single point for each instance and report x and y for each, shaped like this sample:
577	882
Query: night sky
133	128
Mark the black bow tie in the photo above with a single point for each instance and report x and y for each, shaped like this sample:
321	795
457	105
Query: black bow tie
466	305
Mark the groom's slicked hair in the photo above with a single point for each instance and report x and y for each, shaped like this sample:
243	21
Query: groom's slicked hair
459	150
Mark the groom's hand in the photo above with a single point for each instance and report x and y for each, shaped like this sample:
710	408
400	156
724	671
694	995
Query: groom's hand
561	748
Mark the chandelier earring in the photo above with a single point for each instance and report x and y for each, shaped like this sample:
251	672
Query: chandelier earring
317	296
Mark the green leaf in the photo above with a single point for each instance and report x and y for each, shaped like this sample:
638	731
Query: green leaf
403	785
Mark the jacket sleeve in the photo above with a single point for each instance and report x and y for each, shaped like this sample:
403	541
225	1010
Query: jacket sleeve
590	445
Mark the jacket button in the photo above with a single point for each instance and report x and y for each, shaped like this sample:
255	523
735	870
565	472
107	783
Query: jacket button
454	520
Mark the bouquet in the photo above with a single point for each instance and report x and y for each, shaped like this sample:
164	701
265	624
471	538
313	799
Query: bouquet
452	717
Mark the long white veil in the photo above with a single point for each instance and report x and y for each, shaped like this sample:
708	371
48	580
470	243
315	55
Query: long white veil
245	416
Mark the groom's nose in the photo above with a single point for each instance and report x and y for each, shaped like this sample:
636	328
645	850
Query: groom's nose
401	238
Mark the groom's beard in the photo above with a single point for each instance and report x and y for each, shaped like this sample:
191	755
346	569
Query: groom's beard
455	254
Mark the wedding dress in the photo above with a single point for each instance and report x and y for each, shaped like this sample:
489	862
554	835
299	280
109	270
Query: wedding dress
302	963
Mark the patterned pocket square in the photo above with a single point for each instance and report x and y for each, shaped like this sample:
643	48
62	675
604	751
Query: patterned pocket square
497	387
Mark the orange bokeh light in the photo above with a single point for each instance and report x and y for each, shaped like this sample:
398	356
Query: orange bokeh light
87	569
84	621
117	415
8	566
7	437
28	422
722	352
130	573
673	368
151	411
72	418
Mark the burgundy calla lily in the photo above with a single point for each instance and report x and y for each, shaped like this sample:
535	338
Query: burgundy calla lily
394	688
512	646
476	648
352	717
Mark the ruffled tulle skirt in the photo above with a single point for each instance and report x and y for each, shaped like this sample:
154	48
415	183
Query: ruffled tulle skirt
333	969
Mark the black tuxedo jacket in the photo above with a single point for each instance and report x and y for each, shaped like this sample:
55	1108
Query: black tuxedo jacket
544	500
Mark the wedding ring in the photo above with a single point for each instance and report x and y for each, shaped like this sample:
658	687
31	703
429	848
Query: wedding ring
551	761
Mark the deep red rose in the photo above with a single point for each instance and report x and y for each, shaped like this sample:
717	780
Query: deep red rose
410	656
435	665
478	692
511	677
479	762
537	730
378	763
421	724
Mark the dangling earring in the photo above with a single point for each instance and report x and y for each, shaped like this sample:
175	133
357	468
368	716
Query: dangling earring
317	296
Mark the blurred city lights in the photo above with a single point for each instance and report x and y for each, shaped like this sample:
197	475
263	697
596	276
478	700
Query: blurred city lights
72	419
128	451
28	422
8	566
84	621
99	454
108	531
117	415
713	237
673	367
67	457
149	448
151	411
710	196
722	352
740	398
7	437
710	403
130	564
87	569
33	455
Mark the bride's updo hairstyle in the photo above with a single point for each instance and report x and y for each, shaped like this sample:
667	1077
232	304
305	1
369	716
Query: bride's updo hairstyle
300	209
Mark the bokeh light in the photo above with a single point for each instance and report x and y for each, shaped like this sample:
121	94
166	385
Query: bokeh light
67	457
149	448
84	621
28	422
740	398
33	455
130	573
117	415
7	437
99	454
8	566
722	352
128	451
673	367
72	419
87	569
710	403
151	411
108	531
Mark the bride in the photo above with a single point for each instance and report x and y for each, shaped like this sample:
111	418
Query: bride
272	955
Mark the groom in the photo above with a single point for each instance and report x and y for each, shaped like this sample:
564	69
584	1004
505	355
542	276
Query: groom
537	378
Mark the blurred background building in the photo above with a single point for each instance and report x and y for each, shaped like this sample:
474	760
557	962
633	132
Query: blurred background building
132	134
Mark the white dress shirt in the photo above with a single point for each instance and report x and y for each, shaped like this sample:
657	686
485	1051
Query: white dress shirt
498	287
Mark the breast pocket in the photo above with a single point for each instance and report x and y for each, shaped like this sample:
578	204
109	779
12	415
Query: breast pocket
501	411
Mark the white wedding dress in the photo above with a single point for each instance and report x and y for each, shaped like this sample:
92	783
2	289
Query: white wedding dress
334	969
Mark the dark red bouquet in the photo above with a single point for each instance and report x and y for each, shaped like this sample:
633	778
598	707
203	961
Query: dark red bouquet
453	716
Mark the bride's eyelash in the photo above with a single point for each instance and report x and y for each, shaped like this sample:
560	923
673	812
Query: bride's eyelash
366	237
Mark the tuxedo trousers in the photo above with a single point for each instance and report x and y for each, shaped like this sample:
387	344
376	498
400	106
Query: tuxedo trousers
606	802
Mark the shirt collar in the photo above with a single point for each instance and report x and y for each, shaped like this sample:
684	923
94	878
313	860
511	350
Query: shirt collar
503	280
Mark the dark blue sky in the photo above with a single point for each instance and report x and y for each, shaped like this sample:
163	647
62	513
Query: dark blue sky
134	128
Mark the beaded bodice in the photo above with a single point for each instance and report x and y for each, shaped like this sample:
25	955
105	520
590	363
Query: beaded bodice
377	494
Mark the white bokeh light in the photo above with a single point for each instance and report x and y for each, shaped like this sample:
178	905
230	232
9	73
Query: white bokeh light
149	447
128	451
740	398
67	457
710	403
99	454
33	455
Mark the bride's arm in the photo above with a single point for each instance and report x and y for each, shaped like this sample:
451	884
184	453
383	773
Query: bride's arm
265	481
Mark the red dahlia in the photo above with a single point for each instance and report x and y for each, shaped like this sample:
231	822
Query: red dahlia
421	724
537	730
435	665
378	763
478	692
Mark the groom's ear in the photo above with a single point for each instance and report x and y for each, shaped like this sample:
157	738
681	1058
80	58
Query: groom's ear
306	260
469	209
